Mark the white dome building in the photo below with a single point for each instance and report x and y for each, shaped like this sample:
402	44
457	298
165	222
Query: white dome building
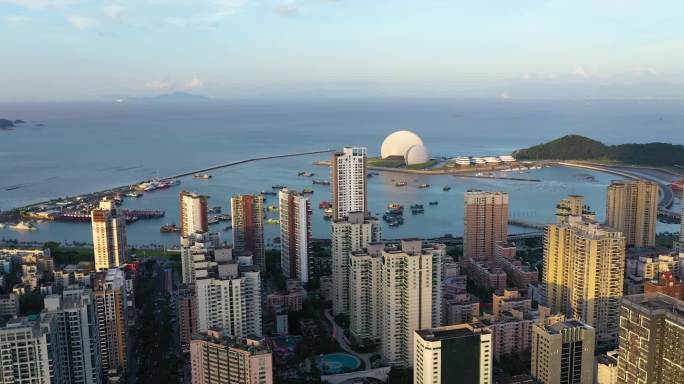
407	145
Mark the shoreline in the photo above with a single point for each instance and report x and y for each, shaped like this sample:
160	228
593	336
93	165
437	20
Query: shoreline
17	213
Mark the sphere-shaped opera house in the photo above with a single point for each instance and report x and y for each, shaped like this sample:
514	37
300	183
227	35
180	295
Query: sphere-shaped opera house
407	145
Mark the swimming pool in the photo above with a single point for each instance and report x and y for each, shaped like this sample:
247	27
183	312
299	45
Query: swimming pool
338	362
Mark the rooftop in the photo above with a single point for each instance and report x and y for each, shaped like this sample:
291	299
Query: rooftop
567	324
451	332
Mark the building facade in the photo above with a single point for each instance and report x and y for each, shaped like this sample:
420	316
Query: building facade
351	234
486	222
455	353
193	213
30	351
111	310
632	208
109	236
248	226
348	182
218	358
563	352
584	272
295	235
651	339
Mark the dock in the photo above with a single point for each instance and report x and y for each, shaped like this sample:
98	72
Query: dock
500	178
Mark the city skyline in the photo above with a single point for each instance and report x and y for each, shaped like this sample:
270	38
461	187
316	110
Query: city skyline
319	48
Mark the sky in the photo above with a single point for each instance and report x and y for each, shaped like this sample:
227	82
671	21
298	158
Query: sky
62	50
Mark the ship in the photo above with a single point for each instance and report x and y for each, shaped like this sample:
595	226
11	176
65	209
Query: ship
446	188
169	228
400	184
268	193
321	182
305	174
328	213
278	186
424	185
134	194
307	191
213	220
272	221
213	210
272	208
434	202
23	226
324	204
203	176
417	209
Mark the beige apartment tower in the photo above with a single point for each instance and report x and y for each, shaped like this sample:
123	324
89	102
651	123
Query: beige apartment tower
217	358
584	272
632	208
109	236
348	182
651	340
295	235
193	213
351	234
248	226
563	352
486	222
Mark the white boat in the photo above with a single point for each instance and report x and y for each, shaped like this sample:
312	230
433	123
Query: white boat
23	226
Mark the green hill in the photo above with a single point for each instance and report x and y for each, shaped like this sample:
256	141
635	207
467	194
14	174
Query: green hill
575	147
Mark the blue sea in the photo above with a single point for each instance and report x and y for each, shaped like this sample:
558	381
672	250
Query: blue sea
67	149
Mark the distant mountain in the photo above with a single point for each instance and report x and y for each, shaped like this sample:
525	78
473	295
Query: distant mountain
575	147
6	124
170	97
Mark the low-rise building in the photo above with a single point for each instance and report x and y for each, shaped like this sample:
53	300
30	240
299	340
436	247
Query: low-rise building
9	305
459	308
508	299
485	275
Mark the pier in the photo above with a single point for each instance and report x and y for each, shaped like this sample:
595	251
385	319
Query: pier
500	178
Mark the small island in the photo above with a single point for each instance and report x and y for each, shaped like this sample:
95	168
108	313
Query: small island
576	147
6	124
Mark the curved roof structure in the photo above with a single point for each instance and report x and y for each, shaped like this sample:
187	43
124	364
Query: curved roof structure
417	154
405	144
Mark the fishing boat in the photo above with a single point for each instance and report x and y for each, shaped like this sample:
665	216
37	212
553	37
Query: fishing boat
424	185
400	184
307	191
446	188
321	182
203	176
417	209
434	202
305	174
169	228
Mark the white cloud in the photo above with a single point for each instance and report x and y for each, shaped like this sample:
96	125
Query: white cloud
115	11
81	22
286	9
229	7
195	83
17	20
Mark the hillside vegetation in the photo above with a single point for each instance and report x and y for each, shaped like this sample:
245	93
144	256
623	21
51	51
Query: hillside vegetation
575	147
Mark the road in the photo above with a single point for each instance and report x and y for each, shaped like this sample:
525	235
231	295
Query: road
338	334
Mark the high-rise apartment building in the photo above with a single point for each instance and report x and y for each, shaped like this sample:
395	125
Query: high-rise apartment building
231	302
632	208
651	340
193	213
109	236
583	272
29	348
186	306
679	244
295	235
563	352
395	290
348	182
200	254
111	310
351	234
486	222
218	358
79	352
248	226
452	354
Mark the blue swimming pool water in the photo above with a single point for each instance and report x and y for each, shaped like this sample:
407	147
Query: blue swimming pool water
338	363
